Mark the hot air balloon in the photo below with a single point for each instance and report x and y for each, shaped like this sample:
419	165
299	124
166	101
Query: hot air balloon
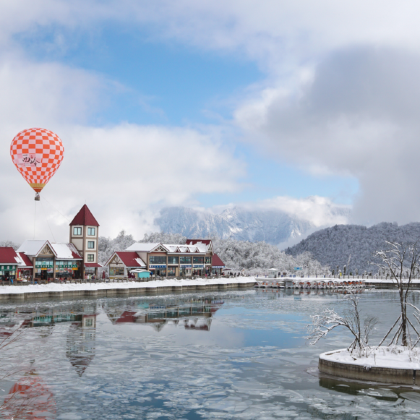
37	154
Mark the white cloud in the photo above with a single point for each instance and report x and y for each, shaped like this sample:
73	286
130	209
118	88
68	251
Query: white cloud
327	106
125	173
357	117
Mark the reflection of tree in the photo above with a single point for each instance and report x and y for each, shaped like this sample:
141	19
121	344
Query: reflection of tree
81	343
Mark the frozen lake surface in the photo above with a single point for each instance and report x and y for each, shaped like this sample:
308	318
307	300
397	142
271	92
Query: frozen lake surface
223	355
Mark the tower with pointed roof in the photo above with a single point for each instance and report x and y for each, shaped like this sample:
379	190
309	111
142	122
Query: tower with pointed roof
84	234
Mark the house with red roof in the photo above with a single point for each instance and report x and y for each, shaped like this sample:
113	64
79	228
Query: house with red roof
9	262
127	264
218	265
165	260
45	260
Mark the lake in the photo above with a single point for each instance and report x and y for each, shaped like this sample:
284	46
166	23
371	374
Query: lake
223	355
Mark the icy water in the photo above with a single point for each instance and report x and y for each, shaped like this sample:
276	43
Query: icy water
227	355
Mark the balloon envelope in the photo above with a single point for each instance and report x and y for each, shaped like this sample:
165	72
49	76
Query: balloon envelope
37	154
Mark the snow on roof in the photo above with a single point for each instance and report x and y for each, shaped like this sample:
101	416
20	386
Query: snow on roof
142	246
65	251
25	261
140	262
32	246
171	248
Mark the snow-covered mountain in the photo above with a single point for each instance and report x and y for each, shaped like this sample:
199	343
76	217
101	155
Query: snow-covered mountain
353	245
274	226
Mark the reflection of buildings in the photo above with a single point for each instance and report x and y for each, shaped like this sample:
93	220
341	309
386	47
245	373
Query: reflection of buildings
80	341
193	315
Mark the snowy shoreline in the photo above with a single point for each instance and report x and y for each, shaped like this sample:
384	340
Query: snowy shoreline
396	357
155	284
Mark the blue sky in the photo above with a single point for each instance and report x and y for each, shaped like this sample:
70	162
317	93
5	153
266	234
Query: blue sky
164	82
203	104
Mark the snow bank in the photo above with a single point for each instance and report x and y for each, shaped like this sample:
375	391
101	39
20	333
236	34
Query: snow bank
396	357
55	287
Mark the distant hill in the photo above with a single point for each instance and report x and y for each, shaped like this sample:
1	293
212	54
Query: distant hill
334	246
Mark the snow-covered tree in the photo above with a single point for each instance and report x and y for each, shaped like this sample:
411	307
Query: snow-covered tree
329	319
402	260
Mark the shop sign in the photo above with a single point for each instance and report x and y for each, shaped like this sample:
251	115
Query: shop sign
66	264
157	266
198	265
44	264
7	267
185	265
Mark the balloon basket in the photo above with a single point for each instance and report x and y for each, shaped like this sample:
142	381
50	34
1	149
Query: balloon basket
37	197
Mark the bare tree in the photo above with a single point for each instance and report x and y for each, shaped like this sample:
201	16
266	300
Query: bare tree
329	319
401	260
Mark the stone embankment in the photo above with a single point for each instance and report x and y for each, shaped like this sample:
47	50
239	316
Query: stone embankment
399	369
54	290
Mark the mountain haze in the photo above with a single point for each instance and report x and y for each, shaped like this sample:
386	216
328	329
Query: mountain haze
274	226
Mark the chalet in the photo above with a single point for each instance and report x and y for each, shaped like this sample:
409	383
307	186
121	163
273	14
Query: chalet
218	265
122	263
50	260
167	260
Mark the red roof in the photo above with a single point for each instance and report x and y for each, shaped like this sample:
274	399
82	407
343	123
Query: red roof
94	265
84	218
8	255
26	259
216	261
195	241
129	259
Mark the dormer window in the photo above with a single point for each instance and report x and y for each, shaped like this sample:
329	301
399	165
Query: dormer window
77	231
91	231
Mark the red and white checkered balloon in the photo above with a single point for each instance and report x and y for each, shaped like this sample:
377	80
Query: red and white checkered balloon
37	153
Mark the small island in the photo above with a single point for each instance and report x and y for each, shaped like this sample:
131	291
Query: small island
396	358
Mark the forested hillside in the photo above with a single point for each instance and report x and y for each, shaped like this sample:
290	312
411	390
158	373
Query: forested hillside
353	245
255	257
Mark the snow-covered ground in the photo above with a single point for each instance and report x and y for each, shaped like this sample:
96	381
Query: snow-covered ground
396	357
55	287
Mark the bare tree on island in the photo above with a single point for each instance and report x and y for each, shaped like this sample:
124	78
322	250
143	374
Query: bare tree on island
329	319
402	261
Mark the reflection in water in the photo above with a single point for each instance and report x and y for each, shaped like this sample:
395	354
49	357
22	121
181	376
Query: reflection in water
118	358
193	314
29	399
81	342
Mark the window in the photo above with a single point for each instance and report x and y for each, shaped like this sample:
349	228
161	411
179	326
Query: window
198	260
88	322
91	231
208	260
173	260
116	271
91	244
154	259
185	260
77	231
91	257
